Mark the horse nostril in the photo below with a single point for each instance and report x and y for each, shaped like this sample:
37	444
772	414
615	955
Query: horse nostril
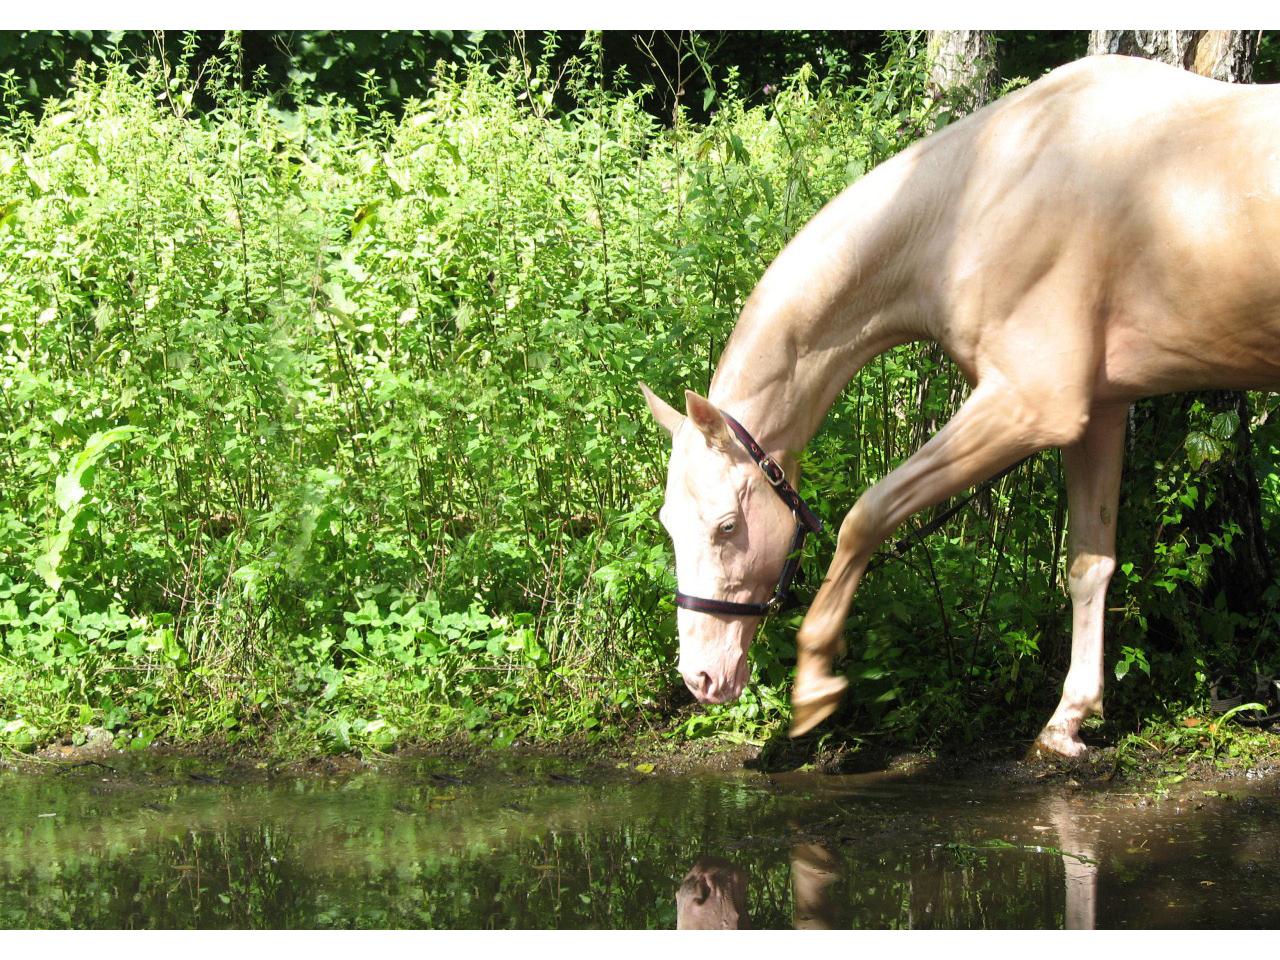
699	685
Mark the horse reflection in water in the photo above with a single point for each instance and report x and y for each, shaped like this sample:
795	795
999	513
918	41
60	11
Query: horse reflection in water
1078	840
713	895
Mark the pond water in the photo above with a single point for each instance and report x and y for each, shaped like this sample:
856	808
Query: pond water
542	845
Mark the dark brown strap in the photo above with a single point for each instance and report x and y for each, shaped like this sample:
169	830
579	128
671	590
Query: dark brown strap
783	598
806	522
775	475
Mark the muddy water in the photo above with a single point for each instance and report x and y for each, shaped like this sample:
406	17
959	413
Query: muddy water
544	846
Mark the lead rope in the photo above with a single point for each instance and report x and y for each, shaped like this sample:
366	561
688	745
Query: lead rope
899	549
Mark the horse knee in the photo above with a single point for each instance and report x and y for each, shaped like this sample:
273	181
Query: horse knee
859	530
1067	427
1089	575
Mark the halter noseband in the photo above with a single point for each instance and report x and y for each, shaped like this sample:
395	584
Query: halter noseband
806	522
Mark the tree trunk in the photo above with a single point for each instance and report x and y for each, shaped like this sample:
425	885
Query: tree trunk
1231	491
961	68
1220	54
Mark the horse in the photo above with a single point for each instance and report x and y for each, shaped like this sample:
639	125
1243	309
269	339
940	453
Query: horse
1107	233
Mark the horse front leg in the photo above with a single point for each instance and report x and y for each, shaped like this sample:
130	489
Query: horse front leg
997	426
1093	468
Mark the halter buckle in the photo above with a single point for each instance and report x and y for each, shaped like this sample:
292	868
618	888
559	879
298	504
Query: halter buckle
765	464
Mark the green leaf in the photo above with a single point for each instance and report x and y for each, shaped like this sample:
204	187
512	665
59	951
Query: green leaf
1202	448
172	651
47	563
8	210
338	299
1239	708
1225	425
365	216
68	491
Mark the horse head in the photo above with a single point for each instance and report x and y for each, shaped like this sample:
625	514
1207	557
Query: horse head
732	535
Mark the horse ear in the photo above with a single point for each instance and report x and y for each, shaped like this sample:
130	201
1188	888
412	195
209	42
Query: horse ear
668	419
707	419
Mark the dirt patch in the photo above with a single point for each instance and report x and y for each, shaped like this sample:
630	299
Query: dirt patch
223	762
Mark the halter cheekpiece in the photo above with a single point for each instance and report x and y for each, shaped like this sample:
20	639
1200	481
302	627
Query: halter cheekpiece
806	522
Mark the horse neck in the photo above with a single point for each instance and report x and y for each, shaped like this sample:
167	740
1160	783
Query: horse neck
783	402
843	291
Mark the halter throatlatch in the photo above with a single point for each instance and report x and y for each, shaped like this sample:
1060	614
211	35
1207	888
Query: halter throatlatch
806	522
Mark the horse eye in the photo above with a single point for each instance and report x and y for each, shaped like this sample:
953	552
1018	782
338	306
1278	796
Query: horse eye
728	526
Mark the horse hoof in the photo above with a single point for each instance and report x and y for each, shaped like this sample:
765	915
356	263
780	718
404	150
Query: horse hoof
812	707
1056	746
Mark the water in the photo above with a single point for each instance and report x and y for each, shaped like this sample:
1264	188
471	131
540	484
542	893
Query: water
532	846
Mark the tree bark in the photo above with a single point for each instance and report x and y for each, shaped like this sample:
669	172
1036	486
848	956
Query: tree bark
1232	493
961	68
1221	54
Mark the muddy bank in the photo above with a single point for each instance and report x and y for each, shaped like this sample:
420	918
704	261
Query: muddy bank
216	761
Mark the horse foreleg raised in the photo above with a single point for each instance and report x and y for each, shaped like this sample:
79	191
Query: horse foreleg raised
996	427
1093	469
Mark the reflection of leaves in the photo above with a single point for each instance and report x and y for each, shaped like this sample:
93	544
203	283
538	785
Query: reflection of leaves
402	862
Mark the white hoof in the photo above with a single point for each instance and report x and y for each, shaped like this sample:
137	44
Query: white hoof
1057	741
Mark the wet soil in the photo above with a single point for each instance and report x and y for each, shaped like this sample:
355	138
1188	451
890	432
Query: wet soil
1002	762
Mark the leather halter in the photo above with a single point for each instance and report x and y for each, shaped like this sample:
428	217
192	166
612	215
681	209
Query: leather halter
806	522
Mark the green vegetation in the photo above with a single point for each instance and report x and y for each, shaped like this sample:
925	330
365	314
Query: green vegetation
321	424
1164	752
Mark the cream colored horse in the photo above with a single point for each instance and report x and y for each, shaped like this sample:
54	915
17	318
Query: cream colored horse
1109	233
